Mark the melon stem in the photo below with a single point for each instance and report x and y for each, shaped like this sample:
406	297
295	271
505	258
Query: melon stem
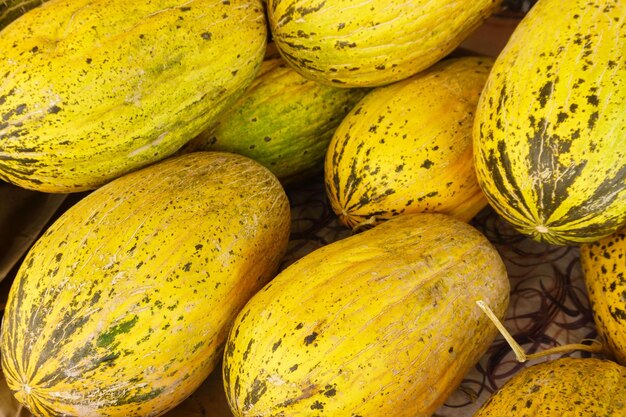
521	356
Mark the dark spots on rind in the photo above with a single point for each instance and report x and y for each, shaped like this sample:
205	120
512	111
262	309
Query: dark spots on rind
141	397
310	338
593	118
258	388
593	100
427	164
545	93
95	298
248	348
276	345
428	195
230	348
292	10
317	405
207	36
107	337
345	44
330	390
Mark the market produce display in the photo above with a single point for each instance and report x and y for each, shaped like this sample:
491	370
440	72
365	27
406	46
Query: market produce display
312	208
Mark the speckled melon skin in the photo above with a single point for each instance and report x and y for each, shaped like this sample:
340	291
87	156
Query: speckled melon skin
550	127
604	269
382	323
574	387
355	43
407	147
122	307
90	90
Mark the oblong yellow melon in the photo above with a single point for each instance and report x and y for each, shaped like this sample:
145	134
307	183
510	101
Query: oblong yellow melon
604	270
122	307
355	43
382	323
587	387
407	147
90	90
550	126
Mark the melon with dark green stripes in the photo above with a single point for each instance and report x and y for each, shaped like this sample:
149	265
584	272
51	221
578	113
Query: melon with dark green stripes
550	128
356	43
407	147
122	307
12	9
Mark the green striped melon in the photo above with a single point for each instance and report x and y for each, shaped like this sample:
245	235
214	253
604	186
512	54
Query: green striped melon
283	120
122	307
550	128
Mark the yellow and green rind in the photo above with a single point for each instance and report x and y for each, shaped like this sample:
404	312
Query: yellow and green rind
122	307
90	90
352	43
578	387
283	120
550	131
407	147
12	9
604	270
384	322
